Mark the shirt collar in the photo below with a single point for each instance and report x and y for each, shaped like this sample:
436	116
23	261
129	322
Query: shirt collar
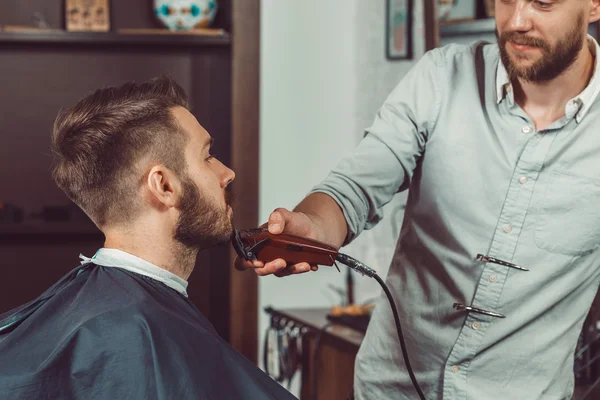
120	259
576	107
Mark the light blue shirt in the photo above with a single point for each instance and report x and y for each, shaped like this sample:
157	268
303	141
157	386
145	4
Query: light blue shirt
121	259
481	180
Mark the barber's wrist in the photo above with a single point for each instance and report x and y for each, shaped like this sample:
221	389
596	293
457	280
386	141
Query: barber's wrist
321	231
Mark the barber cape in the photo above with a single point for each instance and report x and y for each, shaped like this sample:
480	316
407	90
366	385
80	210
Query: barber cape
110	333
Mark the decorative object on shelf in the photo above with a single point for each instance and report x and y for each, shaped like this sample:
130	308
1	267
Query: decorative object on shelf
399	17
185	15
444	7
457	10
87	15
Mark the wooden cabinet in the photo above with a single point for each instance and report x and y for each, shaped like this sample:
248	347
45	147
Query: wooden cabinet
328	353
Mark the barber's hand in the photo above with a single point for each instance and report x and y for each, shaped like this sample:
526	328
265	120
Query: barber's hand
284	221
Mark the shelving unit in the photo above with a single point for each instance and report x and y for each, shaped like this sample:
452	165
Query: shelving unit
484	26
112	39
462	28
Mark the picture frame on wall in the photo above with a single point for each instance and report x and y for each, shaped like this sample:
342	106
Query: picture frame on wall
398	29
87	15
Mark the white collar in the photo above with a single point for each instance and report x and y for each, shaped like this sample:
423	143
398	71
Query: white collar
120	259
576	107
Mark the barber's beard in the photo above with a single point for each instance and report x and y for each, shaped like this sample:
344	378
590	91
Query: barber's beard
202	224
554	61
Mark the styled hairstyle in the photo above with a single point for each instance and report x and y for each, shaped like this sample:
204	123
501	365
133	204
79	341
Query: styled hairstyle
99	142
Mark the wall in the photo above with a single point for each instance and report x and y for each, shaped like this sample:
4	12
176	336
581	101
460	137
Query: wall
323	77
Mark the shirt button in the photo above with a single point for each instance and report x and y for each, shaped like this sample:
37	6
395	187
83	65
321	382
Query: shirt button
475	325
455	368
492	278
508	229
523	180
526	129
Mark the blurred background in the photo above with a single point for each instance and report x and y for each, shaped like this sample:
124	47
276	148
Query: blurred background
286	88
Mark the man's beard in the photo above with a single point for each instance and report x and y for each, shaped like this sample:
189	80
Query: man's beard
201	224
555	60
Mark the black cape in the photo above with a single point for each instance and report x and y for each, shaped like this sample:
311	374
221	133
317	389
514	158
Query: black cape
107	333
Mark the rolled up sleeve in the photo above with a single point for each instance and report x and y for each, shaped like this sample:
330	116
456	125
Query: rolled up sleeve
384	161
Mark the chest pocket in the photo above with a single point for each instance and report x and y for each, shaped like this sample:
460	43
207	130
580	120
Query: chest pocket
568	220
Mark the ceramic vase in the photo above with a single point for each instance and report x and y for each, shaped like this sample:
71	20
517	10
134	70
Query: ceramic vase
180	15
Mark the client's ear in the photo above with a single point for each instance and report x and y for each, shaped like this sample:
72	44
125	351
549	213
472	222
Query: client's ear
164	186
595	11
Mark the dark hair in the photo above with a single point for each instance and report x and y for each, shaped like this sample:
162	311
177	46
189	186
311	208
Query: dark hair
99	142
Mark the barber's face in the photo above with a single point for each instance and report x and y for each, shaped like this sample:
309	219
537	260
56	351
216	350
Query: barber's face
205	218
540	39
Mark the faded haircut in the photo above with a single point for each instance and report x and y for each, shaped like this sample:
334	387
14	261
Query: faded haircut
99	142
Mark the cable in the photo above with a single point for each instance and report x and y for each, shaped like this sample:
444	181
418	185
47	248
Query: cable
365	270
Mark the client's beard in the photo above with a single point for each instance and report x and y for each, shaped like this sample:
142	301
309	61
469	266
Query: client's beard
201	224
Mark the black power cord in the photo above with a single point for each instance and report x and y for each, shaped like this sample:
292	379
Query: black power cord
365	270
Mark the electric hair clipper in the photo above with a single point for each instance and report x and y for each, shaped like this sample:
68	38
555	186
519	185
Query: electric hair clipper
260	244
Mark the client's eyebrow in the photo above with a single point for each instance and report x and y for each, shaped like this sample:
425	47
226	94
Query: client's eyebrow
208	144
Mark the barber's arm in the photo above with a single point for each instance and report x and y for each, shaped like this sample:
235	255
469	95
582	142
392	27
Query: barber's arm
352	196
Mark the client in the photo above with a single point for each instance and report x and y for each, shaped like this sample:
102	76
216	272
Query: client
121	326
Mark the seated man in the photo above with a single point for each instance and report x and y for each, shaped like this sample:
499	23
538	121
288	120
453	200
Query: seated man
121	326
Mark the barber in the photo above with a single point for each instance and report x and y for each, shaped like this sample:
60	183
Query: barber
499	146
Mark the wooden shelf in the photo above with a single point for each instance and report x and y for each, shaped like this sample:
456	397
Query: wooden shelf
112	39
474	27
484	26
49	229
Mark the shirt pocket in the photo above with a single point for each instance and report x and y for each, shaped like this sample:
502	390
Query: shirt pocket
568	220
